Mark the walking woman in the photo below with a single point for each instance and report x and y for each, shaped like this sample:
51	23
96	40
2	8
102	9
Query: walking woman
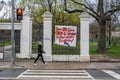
40	51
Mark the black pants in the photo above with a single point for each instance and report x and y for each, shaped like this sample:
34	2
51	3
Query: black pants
39	55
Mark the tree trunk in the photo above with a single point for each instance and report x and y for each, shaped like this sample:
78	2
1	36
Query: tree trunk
102	38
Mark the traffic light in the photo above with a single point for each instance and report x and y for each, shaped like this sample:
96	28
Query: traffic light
19	14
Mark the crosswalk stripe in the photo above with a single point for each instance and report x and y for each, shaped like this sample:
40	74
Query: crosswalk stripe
56	70
80	74
55	73
38	76
111	73
90	75
21	74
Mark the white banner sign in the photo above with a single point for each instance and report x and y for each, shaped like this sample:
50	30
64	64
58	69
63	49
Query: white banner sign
65	35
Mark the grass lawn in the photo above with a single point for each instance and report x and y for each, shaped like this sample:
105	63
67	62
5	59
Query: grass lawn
34	47
65	50
112	51
4	43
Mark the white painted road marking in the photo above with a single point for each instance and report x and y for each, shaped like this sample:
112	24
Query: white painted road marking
76	74
21	74
111	73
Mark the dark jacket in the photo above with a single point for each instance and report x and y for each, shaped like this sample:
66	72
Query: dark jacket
40	50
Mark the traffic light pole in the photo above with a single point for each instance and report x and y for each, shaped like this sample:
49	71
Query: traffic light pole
12	34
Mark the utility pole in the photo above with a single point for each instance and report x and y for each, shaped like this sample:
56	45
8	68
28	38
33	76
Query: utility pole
12	34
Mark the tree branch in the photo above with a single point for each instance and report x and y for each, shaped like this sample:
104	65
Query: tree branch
93	14
70	11
111	11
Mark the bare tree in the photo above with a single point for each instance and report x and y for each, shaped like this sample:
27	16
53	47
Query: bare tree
101	10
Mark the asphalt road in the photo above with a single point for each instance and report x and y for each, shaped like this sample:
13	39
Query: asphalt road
10	73
99	74
59	74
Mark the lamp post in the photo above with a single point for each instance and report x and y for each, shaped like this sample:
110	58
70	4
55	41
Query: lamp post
12	35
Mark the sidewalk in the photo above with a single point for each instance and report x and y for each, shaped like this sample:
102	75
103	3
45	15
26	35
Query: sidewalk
28	64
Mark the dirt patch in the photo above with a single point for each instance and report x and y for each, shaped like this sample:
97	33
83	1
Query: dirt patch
99	57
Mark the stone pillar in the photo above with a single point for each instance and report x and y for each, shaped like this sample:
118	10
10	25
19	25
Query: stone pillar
26	35
84	37
47	35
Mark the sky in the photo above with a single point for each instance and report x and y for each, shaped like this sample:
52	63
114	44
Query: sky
6	9
8	0
4	0
18	1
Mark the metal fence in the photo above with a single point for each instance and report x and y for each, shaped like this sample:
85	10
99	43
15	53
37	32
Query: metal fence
5	43
66	50
37	35
17	41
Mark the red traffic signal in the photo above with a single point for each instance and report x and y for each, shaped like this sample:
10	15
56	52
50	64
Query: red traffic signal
19	13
